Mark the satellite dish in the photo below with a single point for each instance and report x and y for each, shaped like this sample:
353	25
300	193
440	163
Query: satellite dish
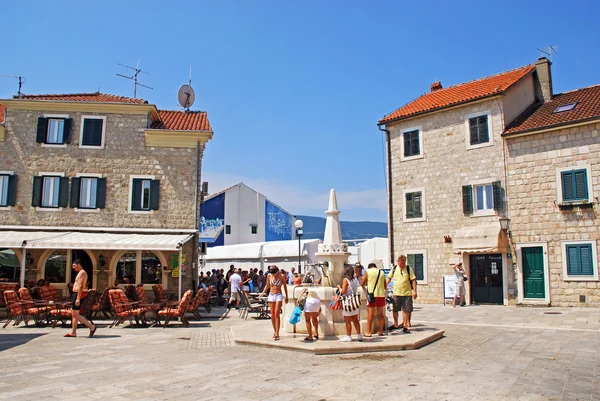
186	96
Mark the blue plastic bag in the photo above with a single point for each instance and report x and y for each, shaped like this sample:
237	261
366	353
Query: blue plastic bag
295	318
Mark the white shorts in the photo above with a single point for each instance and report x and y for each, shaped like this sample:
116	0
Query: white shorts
275	298
312	305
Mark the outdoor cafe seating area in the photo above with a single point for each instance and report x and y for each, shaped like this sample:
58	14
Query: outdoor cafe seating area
44	306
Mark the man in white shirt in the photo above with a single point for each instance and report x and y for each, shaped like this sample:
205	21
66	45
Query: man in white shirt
235	281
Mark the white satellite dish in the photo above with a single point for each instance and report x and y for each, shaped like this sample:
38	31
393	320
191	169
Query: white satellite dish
186	96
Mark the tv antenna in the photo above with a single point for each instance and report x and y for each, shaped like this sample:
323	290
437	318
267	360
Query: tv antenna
134	77
20	78
186	95
549	51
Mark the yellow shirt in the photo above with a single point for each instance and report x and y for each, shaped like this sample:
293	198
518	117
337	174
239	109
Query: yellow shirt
380	291
402	283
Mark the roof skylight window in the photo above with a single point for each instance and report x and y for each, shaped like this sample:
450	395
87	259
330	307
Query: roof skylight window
565	107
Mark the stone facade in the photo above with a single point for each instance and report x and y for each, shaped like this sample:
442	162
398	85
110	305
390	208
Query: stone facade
447	164
536	218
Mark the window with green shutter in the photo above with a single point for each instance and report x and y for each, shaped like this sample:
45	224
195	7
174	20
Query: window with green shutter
414	205
574	185
580	260
416	262
411	143
478	130
145	194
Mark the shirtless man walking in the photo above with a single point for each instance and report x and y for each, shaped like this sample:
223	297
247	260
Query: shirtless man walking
79	292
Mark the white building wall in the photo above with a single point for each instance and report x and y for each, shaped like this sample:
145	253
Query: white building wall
244	207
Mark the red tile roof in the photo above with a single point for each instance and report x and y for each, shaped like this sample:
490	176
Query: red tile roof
85	97
182	120
542	116
2	112
453	95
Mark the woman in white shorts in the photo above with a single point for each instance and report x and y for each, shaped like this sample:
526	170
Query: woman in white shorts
275	281
350	287
312	309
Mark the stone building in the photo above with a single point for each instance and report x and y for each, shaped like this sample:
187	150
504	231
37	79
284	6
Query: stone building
110	180
447	181
553	169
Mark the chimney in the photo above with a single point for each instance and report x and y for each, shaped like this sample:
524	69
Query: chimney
436	86
543	85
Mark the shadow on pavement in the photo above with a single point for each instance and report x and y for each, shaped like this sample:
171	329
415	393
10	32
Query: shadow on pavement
8	341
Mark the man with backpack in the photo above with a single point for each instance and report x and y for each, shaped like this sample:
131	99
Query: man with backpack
405	290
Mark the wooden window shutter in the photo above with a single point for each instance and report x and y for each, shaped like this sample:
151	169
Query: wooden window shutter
68	128
573	266
101	193
473	131
418	203
75	188
410	206
12	190
498	198
63	193
36	197
42	130
467	192
407	148
136	200
567	186
154	194
418	266
410	260
586	260
581	191
484	135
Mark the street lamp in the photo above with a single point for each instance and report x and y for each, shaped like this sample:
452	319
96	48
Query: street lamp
299	232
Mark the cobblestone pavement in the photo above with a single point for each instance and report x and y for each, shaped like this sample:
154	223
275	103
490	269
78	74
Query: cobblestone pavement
488	353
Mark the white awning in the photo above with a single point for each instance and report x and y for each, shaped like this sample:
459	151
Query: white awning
282	249
234	252
85	240
264	250
480	239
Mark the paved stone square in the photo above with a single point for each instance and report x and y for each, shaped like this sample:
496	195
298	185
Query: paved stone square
487	353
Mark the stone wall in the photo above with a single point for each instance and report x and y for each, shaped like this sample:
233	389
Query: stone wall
532	163
125	154
446	166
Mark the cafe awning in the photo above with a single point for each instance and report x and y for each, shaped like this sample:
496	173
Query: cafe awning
91	240
488	239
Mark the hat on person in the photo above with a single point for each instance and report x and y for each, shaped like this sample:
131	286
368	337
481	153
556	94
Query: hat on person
357	264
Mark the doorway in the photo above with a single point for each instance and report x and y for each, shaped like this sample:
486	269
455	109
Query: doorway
486	279
86	263
533	272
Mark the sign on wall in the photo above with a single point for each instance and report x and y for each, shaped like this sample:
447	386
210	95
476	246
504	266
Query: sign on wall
449	286
212	221
278	223
175	271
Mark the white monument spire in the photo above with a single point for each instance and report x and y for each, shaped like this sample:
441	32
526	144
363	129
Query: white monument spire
333	230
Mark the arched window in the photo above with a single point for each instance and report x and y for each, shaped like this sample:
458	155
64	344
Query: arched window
126	267
10	268
151	268
56	267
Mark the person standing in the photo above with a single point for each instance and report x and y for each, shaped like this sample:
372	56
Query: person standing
235	282
460	284
350	287
405	290
79	293
275	283
359	271
291	276
312	309
375	281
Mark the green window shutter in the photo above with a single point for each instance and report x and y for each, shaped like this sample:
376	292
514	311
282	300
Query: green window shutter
101	193
42	130
410	206
75	188
92	132
567	185
581	191
498	198
136	196
586	260
467	192
63	193
573	267
415	143
11	199
473	131
154	194
407	147
410	260
67	130
418	204
580	260
418	266
36	196
483	129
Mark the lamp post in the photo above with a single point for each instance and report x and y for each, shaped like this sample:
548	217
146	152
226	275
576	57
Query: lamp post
299	232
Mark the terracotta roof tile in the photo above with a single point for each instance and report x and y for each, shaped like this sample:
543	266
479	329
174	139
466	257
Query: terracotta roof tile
457	94
2	112
85	97
182	120
544	115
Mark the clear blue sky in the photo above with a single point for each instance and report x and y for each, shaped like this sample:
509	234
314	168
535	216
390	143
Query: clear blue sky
293	89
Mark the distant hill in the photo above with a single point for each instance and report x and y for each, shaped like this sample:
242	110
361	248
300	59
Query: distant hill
314	227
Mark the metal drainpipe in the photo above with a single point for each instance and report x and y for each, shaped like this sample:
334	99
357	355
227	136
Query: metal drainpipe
390	192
